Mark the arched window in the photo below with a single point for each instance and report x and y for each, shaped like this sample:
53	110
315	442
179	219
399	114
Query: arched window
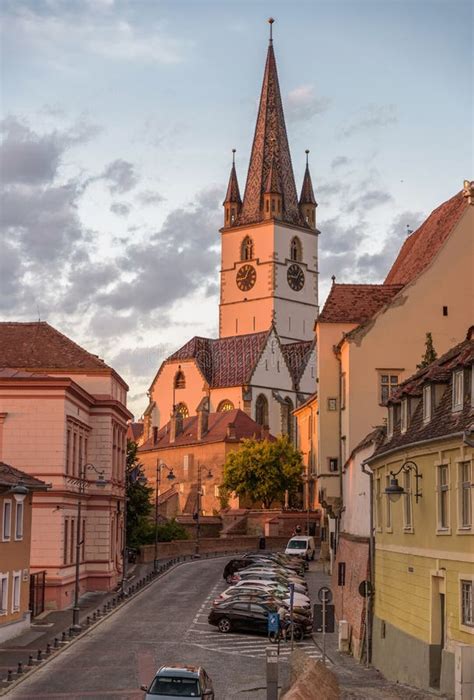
261	410
296	252
246	250
182	410
225	405
179	380
288	420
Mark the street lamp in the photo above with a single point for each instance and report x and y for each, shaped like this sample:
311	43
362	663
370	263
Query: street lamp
81	482
394	490
170	477
197	515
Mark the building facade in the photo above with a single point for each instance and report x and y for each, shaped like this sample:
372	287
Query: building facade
65	421
423	631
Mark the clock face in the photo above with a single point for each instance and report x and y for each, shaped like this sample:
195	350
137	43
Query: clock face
246	277
295	276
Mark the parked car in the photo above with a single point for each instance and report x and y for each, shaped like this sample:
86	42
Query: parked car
271	586
258	594
248	575
301	546
179	682
235	565
250	617
278	558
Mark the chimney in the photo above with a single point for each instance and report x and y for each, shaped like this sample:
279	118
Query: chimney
203	422
231	434
155	434
176	425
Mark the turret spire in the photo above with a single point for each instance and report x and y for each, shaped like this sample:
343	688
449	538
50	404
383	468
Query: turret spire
232	202
307	201
270	150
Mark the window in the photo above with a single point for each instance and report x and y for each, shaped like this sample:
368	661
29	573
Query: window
407	511
66	541
332	404
261	410
179	380
404	416
83	541
72	554
19	512
388	382
467	604
225	405
343	390
7	521
426	403
68	452
458	389
390	422
465	495
3	594
296	250
246	250
16	591
378	503
182	410
388	512
333	464
443	494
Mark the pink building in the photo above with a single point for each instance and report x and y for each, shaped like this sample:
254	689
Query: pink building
62	407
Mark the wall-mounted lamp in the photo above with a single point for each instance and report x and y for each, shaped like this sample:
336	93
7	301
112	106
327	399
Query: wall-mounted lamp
19	491
394	490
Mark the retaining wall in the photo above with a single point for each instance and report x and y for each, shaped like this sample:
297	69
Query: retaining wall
208	545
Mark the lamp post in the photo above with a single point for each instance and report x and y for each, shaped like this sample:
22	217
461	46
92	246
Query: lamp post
394	490
197	515
81	483
170	477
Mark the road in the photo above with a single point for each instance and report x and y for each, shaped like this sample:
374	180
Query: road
166	623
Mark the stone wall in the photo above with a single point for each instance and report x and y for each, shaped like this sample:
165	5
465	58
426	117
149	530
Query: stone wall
209	545
307	675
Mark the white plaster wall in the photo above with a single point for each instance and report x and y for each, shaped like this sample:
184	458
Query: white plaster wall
355	518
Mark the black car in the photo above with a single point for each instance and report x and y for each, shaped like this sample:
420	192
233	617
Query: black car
250	617
235	565
254	596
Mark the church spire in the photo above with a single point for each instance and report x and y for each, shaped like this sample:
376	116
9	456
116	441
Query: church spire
307	201
270	151
232	201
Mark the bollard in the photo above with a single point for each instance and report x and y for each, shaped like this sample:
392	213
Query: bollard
30	660
94	616
71	633
9	676
39	656
63	638
55	643
88	621
114	602
48	649
104	609
19	670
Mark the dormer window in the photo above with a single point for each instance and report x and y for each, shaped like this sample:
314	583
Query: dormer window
426	403
458	390
404	416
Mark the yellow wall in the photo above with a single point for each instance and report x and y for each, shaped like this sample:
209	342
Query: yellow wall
414	566
307	420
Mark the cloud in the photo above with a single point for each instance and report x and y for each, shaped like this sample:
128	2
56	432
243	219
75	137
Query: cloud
340	161
121	176
140	362
372	117
303	104
370	200
150	198
120	209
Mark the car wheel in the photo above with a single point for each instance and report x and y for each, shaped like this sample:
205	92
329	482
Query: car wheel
297	633
224	625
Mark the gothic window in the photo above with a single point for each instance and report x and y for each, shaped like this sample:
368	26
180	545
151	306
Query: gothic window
288	418
179	380
296	252
246	251
261	410
225	405
182	410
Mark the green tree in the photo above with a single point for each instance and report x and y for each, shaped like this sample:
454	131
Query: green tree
264	470
430	353
139	505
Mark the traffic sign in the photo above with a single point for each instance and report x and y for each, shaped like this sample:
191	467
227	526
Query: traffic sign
366	589
318	625
273	622
325	594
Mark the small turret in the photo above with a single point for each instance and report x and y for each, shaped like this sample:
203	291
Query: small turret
307	201
272	196
232	201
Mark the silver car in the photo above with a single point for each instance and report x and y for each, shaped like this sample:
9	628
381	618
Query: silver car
180	682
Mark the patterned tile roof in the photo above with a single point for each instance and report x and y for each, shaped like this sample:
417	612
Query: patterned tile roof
233	192
270	142
224	361
307	193
39	345
444	421
9	476
356	303
422	246
273	184
218	424
297	356
135	431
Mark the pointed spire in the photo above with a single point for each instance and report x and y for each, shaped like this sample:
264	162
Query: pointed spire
233	192
273	185
307	193
270	151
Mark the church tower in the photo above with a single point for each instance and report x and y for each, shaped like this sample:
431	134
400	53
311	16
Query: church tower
269	264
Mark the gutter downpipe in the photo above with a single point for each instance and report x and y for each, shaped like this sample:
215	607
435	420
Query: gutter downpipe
337	352
367	470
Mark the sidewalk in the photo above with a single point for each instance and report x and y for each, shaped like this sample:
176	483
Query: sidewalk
357	682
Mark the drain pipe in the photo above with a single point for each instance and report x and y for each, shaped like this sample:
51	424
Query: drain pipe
367	470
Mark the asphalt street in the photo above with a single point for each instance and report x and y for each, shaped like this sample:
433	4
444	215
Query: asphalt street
164	624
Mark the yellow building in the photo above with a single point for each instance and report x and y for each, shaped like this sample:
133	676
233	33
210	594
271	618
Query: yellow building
424	535
16	489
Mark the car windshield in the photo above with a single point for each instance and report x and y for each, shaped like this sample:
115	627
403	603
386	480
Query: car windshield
175	687
296	544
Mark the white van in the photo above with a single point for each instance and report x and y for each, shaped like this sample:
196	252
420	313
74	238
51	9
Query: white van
301	546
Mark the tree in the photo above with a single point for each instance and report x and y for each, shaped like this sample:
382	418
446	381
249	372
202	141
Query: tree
139	503
430	353
264	470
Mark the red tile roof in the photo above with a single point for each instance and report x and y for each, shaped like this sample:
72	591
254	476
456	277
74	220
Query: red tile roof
297	356
135	431
356	303
218	423
39	345
422	246
9	476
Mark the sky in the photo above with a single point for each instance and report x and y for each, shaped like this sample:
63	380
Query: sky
118	118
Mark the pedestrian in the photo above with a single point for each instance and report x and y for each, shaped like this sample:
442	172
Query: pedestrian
296	531
282	616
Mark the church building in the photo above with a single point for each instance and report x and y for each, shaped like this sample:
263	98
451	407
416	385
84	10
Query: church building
264	360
